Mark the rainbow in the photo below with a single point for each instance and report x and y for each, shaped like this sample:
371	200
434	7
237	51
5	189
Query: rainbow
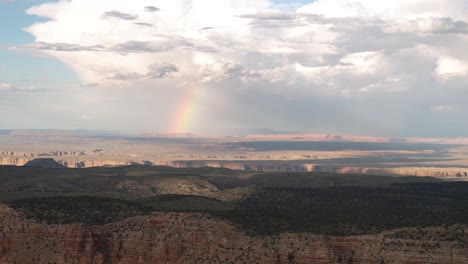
186	110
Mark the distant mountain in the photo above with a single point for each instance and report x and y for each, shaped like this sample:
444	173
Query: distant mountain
5	131
44	163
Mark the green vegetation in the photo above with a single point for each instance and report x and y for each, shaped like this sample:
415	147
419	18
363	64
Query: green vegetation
259	203
447	233
185	203
86	210
344	211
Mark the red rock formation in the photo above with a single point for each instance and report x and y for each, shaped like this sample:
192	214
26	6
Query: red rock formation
197	238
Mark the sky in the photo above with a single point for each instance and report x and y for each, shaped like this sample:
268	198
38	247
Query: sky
364	67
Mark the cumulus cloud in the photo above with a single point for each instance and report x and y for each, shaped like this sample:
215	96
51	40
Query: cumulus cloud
388	10
445	25
450	67
364	58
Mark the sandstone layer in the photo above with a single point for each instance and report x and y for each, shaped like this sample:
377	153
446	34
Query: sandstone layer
272	166
198	238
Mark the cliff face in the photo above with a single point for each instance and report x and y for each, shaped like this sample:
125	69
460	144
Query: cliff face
13	161
274	166
306	167
197	238
94	163
21	161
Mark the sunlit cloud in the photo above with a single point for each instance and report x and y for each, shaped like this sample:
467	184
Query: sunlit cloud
356	53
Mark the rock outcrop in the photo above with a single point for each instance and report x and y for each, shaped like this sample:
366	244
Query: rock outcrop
198	238
294	166
13	161
261	166
44	163
181	186
95	163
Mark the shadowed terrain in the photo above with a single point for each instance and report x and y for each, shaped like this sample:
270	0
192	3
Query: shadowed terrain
320	217
260	203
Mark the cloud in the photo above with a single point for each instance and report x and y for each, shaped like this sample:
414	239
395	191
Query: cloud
63	47
278	16
90	85
5	86
125	76
443	25
159	71
144	24
450	67
442	108
239	72
151	9
369	65
119	15
394	10
160	45
155	71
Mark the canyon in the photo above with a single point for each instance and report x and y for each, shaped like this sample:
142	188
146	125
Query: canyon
165	237
259	166
154	214
341	154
